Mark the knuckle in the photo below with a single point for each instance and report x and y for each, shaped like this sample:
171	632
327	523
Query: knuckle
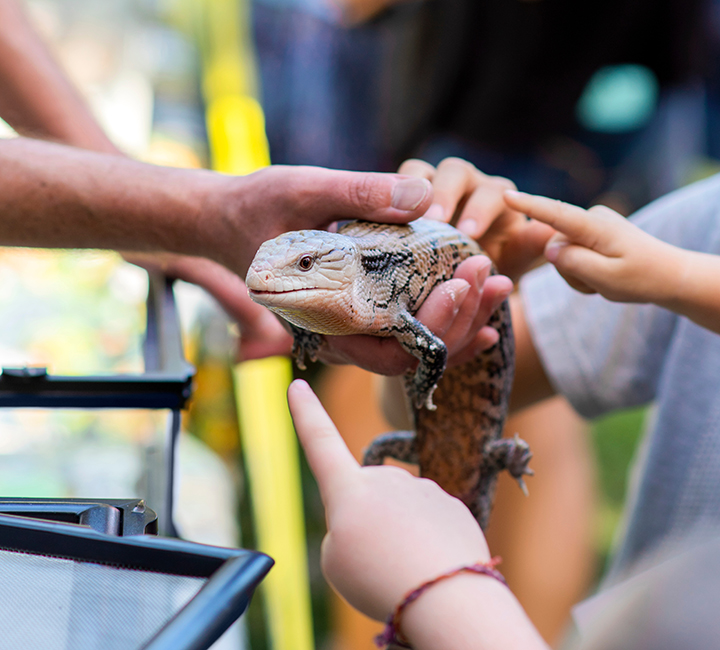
604	212
563	209
504	183
363	191
415	166
454	163
294	187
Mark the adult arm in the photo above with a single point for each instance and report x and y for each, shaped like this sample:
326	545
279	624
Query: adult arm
155	214
38	100
36	97
162	205
56	196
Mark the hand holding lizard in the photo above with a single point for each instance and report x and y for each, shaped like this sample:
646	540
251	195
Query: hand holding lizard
456	311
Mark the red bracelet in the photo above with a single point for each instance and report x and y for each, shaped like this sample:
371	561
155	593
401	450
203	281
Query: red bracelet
392	635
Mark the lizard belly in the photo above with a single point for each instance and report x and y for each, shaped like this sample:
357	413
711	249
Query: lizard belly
472	402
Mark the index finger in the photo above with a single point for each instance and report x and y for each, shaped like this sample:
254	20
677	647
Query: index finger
328	456
568	219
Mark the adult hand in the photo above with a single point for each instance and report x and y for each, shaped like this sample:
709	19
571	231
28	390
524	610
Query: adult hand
387	531
474	203
277	199
457	311
243	212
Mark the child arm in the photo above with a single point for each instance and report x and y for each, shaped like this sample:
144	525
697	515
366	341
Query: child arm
598	250
699	295
389	532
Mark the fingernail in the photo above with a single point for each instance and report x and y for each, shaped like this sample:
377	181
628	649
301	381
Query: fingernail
482	273
435	212
459	296
468	227
505	293
301	384
552	250
409	193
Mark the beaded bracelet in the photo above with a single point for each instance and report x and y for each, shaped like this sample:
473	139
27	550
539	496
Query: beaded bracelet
392	635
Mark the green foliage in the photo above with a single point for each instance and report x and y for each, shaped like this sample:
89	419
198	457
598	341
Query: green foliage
615	439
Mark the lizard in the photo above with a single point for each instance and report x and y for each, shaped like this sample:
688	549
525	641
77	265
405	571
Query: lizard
370	278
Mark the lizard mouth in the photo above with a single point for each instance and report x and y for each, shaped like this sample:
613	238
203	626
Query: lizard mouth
255	292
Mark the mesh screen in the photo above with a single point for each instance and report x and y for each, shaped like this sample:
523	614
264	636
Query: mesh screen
53	604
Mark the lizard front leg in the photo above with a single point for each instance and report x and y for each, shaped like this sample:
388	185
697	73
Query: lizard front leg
400	445
305	344
430	351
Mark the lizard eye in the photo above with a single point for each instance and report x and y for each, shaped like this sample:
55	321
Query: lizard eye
305	263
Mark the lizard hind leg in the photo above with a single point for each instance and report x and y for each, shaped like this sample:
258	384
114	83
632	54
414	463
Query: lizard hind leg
512	454
400	445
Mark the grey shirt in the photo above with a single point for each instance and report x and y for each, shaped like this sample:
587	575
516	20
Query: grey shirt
604	356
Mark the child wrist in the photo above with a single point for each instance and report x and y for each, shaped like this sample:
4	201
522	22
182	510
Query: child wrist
391	635
674	279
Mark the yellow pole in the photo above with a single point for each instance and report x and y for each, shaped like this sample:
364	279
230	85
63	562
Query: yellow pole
238	145
270	447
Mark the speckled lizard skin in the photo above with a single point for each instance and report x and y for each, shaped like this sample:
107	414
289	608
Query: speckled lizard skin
371	278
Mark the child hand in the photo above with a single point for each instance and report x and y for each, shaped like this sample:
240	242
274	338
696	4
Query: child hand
388	531
473	202
599	251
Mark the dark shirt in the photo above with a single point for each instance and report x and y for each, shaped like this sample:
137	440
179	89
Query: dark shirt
509	73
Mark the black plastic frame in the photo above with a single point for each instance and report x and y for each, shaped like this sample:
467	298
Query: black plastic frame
120	517
233	574
165	384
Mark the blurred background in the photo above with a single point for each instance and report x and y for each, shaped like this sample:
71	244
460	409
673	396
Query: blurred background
619	110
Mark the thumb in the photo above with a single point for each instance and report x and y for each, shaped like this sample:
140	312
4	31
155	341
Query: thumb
372	196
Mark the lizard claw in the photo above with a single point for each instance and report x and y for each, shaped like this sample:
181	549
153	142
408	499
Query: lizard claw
512	454
521	481
523	486
429	405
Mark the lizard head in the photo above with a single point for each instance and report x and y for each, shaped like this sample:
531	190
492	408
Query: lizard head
302	276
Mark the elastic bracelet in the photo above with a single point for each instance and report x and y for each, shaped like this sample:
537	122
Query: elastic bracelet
391	635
